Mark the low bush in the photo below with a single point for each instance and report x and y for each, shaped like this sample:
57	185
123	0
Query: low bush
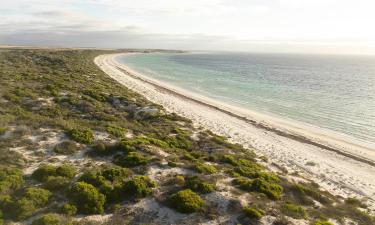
85	136
320	222
11	179
198	185
93	176
205	168
31	200
66	170
131	160
2	130
301	191
87	198
44	171
229	159
116	174
138	187
186	201
116	131
355	202
66	148
179	141
38	196
56	183
253	212
294	211
272	190
47	219
68	209
102	149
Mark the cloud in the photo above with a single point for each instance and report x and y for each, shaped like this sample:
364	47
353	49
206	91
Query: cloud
252	25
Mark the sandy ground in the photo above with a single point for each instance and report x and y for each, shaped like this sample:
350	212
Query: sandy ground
342	168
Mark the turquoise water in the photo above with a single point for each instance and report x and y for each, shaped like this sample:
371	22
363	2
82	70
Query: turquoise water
332	92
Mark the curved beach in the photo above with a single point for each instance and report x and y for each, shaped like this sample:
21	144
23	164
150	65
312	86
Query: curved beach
339	164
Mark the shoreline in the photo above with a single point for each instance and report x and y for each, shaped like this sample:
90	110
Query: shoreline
109	65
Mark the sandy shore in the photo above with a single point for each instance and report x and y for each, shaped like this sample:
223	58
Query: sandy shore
342	167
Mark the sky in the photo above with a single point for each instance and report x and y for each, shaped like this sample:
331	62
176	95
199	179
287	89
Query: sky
301	26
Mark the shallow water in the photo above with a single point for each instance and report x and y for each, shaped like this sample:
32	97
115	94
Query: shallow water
332	92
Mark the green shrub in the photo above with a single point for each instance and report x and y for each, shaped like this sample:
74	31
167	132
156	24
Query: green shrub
47	219
105	174
85	136
198	185
87	198
68	209
320	222
189	157
186	201
253	212
302	190
38	196
181	139
294	211
116	174
66	148
2	130
229	159
93	176
139	187
355	202
272	190
11	179
116	131
22	209
132	159
29	203
243	183
56	183
66	170
102	149
45	171
205	168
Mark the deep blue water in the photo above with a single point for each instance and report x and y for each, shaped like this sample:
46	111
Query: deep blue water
332	92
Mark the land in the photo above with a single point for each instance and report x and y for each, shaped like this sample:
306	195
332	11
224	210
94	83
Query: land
78	147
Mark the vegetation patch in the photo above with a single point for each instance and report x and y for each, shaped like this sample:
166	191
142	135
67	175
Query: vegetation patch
66	148
196	184
139	187
47	219
205	168
116	131
68	209
294	211
186	201
11	180
132	159
87	199
2	130
27	204
45	171
320	222
253	212
272	190
85	136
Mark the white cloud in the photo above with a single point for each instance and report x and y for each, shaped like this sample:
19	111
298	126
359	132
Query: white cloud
279	25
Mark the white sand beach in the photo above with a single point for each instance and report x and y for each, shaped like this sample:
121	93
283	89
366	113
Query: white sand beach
339	164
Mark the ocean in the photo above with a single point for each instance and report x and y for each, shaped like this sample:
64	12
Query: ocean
331	92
